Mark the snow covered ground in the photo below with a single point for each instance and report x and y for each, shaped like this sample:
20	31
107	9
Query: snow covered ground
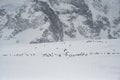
54	61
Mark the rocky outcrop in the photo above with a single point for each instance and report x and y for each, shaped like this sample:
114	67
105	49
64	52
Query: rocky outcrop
55	24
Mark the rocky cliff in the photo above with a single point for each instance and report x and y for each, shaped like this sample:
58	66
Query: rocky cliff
40	21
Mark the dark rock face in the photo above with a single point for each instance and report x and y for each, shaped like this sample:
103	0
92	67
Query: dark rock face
55	24
86	13
61	20
2	12
97	4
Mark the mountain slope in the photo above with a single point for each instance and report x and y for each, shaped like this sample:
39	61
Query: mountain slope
41	21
